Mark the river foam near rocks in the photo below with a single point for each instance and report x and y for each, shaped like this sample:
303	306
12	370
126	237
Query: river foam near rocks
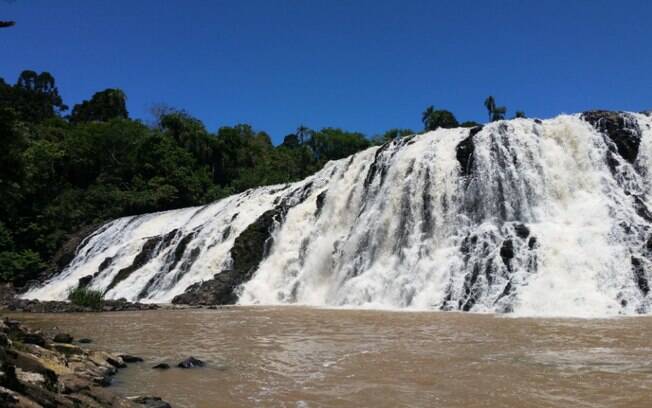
309	357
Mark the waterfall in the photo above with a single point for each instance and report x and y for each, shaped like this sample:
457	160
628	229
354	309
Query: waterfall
526	216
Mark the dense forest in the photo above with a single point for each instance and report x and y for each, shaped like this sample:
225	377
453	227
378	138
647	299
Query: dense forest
65	169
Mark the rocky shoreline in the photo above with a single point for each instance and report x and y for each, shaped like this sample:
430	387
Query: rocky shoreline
10	302
40	370
37	306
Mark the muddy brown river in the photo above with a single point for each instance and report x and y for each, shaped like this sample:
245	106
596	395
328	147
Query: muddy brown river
305	357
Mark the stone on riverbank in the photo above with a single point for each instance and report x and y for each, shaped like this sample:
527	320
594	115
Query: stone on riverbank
128	358
63	338
161	366
48	374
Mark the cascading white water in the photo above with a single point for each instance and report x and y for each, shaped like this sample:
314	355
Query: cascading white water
534	217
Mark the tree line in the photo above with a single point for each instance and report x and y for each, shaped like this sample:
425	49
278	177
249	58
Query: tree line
64	169
434	119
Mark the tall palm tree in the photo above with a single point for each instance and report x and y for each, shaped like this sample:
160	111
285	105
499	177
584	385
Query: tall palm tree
499	113
426	115
490	104
302	132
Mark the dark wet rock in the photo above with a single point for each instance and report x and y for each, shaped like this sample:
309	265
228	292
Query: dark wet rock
623	133
67	349
85	281
8	398
641	209
464	152
34	338
8	377
105	264
150	402
181	248
36	306
84	341
321	198
471	293
146	253
128	358
640	277
161	366
115	362
63	338
532	242
29	363
376	166
507	251
73	384
191	362
521	231
248	250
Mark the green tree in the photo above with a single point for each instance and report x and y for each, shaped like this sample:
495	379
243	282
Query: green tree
434	119
291	141
13	139
391	134
303	133
34	97
520	114
58	176
102	107
469	124
495	112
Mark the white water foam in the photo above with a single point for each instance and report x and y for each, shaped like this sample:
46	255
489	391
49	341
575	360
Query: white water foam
541	225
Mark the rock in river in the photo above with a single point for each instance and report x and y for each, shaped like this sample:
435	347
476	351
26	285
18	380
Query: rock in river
63	338
191	362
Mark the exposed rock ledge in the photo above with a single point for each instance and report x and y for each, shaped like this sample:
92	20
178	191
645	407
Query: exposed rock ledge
35	372
9	301
37	306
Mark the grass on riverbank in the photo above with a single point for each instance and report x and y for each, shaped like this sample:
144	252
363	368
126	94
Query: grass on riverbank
87	297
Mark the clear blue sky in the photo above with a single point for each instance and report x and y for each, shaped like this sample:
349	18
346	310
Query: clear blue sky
360	65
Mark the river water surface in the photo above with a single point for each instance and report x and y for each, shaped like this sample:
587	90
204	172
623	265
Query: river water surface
305	357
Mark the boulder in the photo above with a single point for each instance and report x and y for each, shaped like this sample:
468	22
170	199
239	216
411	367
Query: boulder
128	358
70	383
84	341
68	349
34	338
115	361
464	152
150	402
161	366
191	362
85	281
63	338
